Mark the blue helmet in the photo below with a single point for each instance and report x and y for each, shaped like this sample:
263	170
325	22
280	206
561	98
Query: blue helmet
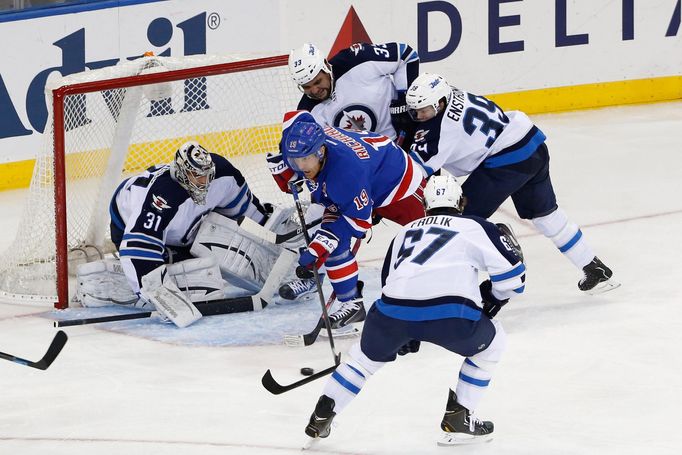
303	139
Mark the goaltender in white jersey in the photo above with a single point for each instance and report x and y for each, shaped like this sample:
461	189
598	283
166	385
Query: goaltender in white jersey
173	226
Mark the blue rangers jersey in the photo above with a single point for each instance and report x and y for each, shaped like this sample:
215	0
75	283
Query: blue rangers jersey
367	78
153	211
470	131
362	171
431	269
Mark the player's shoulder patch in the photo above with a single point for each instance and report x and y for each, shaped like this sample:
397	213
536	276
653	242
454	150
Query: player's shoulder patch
159	203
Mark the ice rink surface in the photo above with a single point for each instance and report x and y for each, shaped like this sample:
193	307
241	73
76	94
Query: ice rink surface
581	374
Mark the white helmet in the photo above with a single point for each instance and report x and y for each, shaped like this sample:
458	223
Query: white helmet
443	191
427	90
305	63
192	162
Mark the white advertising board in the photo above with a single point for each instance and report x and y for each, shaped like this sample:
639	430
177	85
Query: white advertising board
488	47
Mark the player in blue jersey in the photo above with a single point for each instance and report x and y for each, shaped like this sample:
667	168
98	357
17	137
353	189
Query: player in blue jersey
431	292
352	174
505	155
360	88
156	214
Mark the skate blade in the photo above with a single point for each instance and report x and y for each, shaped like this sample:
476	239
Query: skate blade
349	331
604	286
309	443
458	439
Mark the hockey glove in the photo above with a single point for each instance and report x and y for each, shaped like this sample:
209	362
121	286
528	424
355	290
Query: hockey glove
491	304
319	249
402	122
282	173
410	346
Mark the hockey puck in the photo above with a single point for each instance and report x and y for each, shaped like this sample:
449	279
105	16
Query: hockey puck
305	371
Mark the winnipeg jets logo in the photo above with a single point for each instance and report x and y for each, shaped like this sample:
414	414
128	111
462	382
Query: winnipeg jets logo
324	189
356	48
159	203
356	117
420	135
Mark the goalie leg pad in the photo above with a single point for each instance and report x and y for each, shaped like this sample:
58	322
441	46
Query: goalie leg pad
245	260
199	279
160	289
103	283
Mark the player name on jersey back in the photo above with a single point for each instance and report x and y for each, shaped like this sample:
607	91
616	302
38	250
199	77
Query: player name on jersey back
440	220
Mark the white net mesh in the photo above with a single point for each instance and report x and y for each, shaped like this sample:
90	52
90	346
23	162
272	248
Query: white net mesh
114	133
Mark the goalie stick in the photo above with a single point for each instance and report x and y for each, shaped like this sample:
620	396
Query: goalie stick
53	351
212	308
252	227
309	338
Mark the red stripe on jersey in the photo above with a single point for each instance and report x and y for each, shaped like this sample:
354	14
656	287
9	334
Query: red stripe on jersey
343	272
289	115
364	224
405	183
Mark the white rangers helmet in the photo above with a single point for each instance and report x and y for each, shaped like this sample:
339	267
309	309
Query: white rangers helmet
305	63
443	191
194	170
427	90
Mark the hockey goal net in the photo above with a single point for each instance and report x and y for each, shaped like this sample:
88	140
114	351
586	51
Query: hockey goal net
106	124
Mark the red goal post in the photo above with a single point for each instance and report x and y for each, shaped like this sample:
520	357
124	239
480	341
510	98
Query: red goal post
109	123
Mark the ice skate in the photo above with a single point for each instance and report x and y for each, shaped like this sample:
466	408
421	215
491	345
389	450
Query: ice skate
597	278
320	422
461	427
299	289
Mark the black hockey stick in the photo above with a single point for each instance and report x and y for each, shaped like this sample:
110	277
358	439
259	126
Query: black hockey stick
309	338
275	388
53	351
211	308
325	315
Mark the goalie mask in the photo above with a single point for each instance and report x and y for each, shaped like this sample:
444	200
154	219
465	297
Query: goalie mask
194	170
443	191
424	95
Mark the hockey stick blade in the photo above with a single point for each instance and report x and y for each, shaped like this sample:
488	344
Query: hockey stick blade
53	351
306	339
275	388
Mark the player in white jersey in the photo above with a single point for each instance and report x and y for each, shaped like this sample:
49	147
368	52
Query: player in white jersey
504	155
355	89
431	293
156	214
